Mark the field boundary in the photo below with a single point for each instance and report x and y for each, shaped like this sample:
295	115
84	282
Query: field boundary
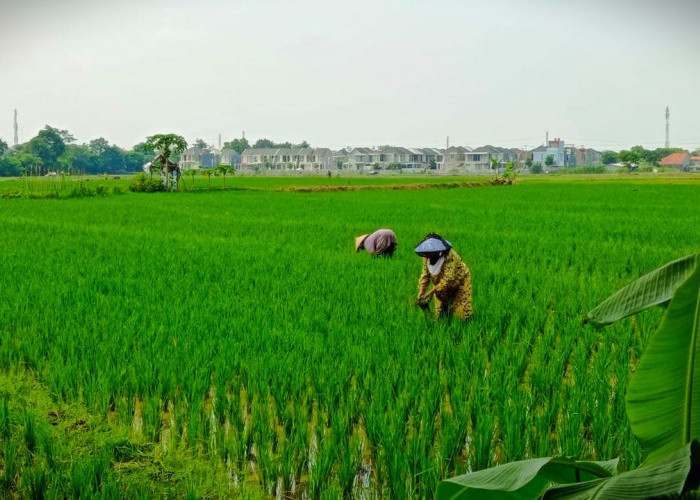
425	185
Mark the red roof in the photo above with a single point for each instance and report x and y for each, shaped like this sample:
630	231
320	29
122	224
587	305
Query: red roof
673	160
695	158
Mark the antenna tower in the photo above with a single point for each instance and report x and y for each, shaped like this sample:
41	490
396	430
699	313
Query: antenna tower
668	135
15	125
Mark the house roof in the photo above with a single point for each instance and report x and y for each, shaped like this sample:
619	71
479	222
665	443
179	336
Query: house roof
674	159
490	149
457	149
362	151
285	151
539	149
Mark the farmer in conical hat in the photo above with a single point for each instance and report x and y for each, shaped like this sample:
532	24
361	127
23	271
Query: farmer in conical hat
452	281
380	243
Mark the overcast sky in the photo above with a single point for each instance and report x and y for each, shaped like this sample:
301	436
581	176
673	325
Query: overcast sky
362	73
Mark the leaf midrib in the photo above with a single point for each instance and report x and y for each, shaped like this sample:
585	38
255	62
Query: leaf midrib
691	368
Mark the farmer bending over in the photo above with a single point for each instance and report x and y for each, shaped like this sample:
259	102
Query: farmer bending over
380	243
452	281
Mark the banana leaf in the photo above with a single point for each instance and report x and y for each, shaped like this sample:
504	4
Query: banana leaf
523	480
663	398
654	288
667	477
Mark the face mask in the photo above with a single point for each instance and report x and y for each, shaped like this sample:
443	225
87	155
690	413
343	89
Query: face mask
434	266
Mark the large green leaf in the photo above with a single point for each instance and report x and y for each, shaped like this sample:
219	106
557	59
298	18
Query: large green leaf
652	289
666	477
663	398
524	480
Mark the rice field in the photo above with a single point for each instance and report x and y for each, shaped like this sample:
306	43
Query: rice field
209	344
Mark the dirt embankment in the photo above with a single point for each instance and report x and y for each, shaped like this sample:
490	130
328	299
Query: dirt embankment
425	185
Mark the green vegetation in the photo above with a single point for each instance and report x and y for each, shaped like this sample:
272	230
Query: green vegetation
221	342
661	403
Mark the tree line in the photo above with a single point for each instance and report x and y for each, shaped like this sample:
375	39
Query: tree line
55	150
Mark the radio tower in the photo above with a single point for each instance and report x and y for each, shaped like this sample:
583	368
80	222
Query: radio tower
668	135
16	137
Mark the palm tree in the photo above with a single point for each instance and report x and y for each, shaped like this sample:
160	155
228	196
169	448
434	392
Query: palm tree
223	170
207	173
191	173
166	145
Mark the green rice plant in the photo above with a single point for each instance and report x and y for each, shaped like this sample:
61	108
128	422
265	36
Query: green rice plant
223	292
36	483
152	419
5	425
320	473
30	434
8	478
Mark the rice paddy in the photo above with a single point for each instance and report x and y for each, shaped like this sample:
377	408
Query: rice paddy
232	343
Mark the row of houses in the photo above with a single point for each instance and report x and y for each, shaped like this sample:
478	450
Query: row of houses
453	159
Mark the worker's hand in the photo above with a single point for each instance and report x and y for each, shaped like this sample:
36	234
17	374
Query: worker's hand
422	301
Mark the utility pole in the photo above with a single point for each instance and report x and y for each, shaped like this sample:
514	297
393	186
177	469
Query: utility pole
668	135
219	142
16	136
448	142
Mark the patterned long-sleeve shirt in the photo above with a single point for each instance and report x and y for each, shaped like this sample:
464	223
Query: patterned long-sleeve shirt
453	275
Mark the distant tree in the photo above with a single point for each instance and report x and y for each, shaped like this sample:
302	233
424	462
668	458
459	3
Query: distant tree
629	158
28	162
199	143
48	145
264	144
98	146
528	163
142	148
536	168
238	145
112	160
268	144
695	152
10	166
608	157
134	161
494	164
3	147
549	161
166	145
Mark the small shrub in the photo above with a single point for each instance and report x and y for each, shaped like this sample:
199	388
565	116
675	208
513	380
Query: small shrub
141	183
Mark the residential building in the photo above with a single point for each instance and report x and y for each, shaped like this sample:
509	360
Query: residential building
695	163
480	160
681	161
360	159
210	158
340	158
190	159
453	158
397	156
230	157
288	159
537	154
556	149
431	156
